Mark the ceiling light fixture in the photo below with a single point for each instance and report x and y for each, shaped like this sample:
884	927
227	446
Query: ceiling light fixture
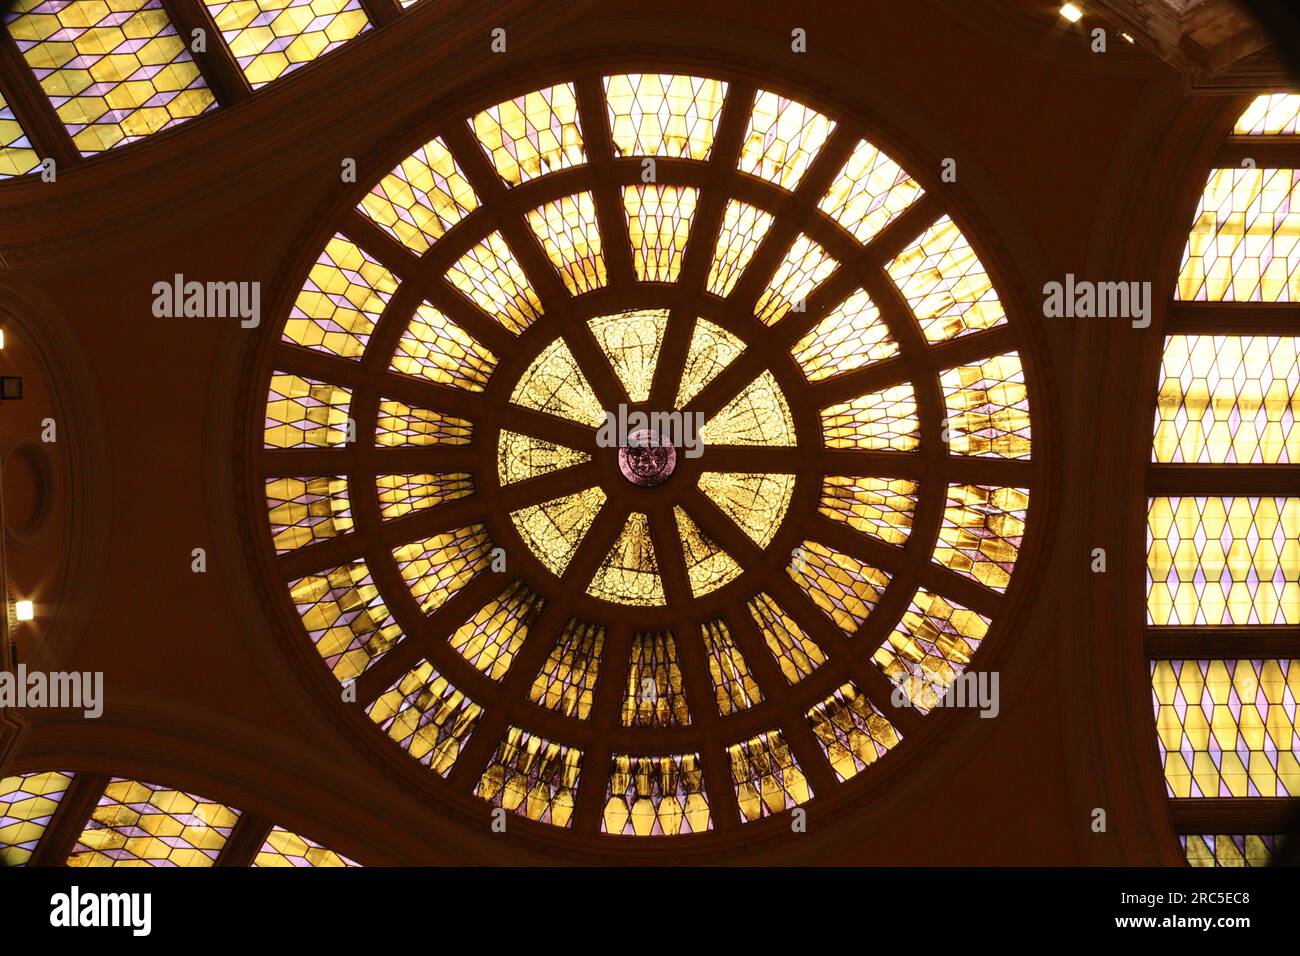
1071	12
24	610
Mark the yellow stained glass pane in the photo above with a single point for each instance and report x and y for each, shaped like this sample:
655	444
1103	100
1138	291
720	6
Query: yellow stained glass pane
437	567
1211	850
803	269
570	235
285	849
869	192
115	72
1223	560
782	139
533	777
658	224
554	384
657	114
555	529
879	421
1243	245
492	637
567	681
880	507
1228	399
17	156
796	653
399	424
734	688
270	38
27	802
491	276
759	415
424	196
532	135
743	229
711	350
345	618
629	573
1228	728
852	732
844	588
930	648
631	343
427	717
768	778
401	494
436	348
305	413
707	566
983	527
987	408
756	501
1270	115
345	293
851	336
520	457
141	824
655	796
305	510
654	695
945	284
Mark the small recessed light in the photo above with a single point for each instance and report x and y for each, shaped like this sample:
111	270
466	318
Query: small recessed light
1071	12
1127	37
24	610
2	338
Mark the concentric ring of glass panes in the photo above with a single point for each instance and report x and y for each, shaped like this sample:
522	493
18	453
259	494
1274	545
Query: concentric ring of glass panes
503	606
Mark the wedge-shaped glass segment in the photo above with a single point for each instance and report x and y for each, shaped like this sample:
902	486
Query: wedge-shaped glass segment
337	309
16	153
435	348
782	139
878	421
629	574
437	567
533	777
568	231
1221	849
567	681
401	494
707	566
1223	560
869	192
796	653
532	135
880	507
656	114
270	38
304	510
492	637
1244	245
1271	115
115	72
1228	399
983	527
424	196
802	270
852	732
1228	728
711	350
767	776
655	796
305	413
930	648
520	457
399	424
987	408
555	529
757	416
428	717
140	824
757	501
345	618
631	343
654	695
734	688
844	588
945	284
852	336
743	229
285	849
555	384
27	802
658	224
495	281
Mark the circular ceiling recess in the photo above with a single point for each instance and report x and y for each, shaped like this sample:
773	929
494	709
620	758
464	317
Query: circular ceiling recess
646	454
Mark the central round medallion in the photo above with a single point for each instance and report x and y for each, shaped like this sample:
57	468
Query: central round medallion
646	460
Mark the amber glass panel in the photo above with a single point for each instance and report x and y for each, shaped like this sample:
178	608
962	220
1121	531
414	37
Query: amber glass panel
399	424
435	348
629	573
852	732
570	236
983	527
555	384
304	510
345	618
782	139
768	778
841	585
758	415
401	494
734	687
555	529
533	134
270	38
424	196
756	501
1224	850
869	192
437	567
305	413
987	408
27	802
796	654
285	849
879	421
880	507
803	269
345	293
492	637
492	278
16	153
631	343
533	777
654	696
567	681
931	646
708	567
945	284
711	350
656	114
655	796
140	824
851	336
520	457
427	717
743	229
658	223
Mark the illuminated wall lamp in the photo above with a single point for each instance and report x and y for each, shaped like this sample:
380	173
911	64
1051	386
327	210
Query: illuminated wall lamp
24	610
1071	12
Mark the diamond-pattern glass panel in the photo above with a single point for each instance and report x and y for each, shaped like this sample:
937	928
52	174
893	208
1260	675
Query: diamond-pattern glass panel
570	236
851	336
270	38
743	229
945	284
796	654
533	134
437	567
491	276
337	309
533	777
285	849
880	507
27	802
657	114
767	776
782	139
304	510
845	588
655	796
869	192
140	824
345	618
304	413
983	527
930	648
877	421
987	408
734	688
658	224
424	196
492	637
802	270
852	732
654	696
428	717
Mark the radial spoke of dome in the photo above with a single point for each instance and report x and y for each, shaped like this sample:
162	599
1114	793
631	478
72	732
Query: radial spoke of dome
728	383
610	687
594	364
973	470
551	428
1257	480
608	195
872	378
387	251
321	555
900	232
785	459
871	464
841	537
604	531
668	553
305	462
672	354
971	348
